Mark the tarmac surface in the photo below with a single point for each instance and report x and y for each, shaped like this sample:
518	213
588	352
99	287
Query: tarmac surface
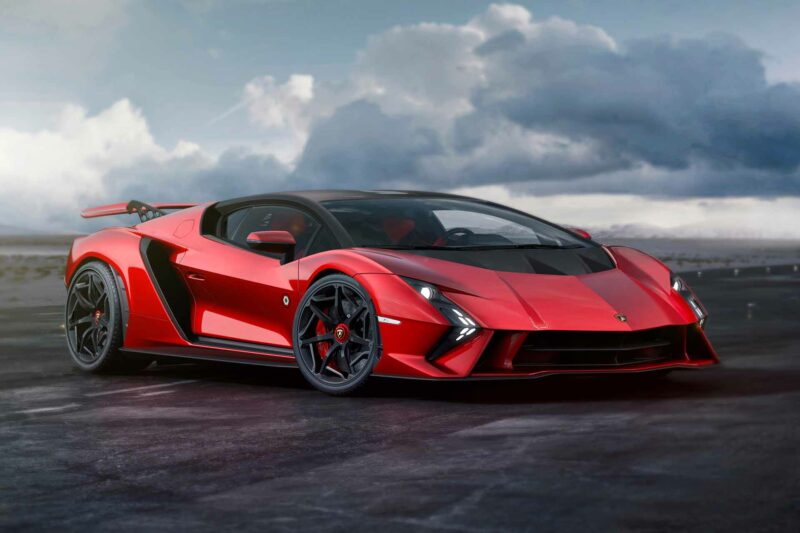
206	447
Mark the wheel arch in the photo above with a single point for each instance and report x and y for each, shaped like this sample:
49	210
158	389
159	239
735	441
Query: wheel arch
120	282
330	271
112	247
346	262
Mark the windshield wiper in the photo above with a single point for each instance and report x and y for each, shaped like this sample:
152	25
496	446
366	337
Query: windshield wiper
401	247
540	246
476	247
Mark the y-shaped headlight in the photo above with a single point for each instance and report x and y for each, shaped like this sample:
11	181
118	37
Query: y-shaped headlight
463	327
680	286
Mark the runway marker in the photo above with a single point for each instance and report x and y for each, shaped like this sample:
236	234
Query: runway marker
146	387
47	409
157	393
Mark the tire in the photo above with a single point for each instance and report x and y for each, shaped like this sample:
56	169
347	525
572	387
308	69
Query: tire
335	335
93	322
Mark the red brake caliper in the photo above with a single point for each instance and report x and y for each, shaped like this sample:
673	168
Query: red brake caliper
322	347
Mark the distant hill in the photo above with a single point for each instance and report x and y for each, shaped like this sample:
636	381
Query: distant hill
13	230
692	231
14	236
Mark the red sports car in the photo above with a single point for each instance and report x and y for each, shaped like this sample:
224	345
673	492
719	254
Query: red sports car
348	284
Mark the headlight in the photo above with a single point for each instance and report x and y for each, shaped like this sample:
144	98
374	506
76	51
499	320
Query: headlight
680	286
427	290
463	327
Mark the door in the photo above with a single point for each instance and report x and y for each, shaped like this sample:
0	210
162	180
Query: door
242	294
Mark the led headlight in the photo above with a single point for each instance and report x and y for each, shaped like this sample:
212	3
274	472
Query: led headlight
426	290
463	327
680	286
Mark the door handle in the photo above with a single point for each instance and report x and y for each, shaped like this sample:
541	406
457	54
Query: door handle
194	276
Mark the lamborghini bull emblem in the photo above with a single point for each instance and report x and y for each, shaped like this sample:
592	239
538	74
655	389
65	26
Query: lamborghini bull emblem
340	333
621	317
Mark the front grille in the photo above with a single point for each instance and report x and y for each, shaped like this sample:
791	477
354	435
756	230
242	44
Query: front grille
590	349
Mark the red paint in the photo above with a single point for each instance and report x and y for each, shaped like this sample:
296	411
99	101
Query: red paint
238	294
122	209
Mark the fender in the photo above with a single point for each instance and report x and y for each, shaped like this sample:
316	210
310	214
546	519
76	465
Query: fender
148	321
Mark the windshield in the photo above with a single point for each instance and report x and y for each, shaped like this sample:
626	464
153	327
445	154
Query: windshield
444	223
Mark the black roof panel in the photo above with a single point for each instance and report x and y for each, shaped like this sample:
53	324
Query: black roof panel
323	195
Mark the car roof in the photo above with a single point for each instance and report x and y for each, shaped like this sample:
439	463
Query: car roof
324	195
312	201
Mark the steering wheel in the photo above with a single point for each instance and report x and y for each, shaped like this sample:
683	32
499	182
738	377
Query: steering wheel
459	235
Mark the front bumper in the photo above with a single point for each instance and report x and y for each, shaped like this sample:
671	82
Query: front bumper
502	354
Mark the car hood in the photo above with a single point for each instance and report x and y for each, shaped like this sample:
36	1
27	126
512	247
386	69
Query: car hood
609	300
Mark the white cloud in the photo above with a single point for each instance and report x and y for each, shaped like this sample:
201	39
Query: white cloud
500	18
285	110
73	157
426	69
506	104
280	106
629	214
49	174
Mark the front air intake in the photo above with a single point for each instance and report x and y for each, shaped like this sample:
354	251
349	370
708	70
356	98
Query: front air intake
592	349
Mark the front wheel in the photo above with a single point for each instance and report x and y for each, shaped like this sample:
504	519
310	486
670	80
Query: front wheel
336	338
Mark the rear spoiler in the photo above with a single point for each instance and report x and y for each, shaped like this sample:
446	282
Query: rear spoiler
145	211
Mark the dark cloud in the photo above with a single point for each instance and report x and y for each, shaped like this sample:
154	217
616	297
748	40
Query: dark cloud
360	146
237	172
661	102
546	107
557	107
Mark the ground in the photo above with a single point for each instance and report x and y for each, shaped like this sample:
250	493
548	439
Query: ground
207	447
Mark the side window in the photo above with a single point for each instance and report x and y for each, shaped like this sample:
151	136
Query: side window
239	224
232	223
323	241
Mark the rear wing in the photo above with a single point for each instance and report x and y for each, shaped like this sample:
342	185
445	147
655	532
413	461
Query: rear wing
145	211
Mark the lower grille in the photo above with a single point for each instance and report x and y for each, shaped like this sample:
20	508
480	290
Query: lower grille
590	349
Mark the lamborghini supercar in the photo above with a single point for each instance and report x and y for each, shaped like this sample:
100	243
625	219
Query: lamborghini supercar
349	284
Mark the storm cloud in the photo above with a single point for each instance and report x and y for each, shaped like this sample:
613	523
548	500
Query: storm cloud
546	107
552	105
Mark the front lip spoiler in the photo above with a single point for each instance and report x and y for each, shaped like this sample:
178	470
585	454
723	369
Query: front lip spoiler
514	376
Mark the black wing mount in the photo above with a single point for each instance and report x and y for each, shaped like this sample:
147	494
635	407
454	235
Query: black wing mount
145	211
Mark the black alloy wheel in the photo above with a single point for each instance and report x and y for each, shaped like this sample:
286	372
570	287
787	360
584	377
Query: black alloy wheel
88	312
336	337
93	321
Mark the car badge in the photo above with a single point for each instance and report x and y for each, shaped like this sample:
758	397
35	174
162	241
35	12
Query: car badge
621	317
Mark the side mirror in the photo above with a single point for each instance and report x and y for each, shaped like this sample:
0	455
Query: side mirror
580	233
274	242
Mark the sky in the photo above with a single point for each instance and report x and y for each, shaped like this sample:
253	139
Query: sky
674	117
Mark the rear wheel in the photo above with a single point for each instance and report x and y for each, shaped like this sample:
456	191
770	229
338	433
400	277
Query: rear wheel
336	339
93	322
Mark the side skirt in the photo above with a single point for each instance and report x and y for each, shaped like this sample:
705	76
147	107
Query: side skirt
199	353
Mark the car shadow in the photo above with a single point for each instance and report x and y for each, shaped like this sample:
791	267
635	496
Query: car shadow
717	382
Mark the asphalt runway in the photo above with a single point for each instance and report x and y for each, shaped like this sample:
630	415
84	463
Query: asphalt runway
211	447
